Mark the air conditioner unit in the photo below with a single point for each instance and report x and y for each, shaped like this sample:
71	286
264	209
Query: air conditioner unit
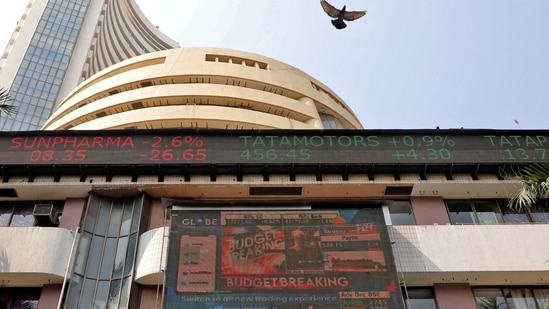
45	214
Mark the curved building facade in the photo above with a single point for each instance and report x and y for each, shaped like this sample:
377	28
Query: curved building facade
58	44
202	88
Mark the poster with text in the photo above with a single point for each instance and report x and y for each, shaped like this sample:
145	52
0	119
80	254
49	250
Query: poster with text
310	259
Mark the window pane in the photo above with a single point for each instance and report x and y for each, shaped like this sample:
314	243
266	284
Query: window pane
114	293
88	290
542	297
489	298
25	304
540	213
103	219
514	216
108	258
94	258
120	257
519	298
421	298
422	303
22	216
487	212
401	213
136	217
102	294
74	292
116	219
5	215
82	253
126	220
130	255
460	212
125	293
91	215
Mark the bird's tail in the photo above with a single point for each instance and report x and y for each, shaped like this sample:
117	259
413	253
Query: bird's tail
339	24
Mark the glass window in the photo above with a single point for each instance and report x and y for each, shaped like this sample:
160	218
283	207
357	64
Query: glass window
489	298
103	220
106	262
25	304
330	122
19	298
420	298
511	298
460	212
542	297
540	212
487	212
82	253
120	257
401	213
116	218
5	215
519	298
73	294
474	212
22	216
102	293
108	258
114	293
88	291
514	216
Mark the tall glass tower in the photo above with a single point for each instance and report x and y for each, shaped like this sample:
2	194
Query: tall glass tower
57	44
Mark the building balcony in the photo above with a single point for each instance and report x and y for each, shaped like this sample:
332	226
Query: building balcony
34	256
474	254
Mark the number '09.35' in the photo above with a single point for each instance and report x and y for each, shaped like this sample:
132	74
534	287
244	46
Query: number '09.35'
272	154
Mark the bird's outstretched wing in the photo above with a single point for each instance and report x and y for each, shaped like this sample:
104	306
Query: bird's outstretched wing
330	9
353	15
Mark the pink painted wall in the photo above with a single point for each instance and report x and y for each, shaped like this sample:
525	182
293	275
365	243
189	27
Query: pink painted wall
151	297
72	213
49	296
429	210
156	217
454	296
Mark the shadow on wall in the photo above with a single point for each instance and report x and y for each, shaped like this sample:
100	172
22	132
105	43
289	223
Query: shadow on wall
4	262
406	252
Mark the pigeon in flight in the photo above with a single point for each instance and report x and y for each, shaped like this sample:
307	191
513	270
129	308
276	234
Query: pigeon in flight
340	15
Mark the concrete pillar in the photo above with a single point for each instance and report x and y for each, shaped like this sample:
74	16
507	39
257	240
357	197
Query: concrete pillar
151	297
49	298
72	213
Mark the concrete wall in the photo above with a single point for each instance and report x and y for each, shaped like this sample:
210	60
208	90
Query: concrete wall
473	254
33	256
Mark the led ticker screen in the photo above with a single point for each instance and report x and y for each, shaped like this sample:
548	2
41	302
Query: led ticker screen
323	259
276	147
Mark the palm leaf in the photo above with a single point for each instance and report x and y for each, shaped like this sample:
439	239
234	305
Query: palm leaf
535	186
6	108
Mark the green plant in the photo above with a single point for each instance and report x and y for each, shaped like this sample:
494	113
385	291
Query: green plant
535	186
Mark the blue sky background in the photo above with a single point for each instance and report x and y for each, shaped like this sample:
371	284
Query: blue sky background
406	64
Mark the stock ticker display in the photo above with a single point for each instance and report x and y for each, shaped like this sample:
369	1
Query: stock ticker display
319	259
276	147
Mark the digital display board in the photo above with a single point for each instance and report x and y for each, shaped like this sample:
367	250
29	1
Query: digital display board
314	259
274	147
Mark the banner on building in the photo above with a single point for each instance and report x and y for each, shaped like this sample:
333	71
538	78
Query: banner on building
310	259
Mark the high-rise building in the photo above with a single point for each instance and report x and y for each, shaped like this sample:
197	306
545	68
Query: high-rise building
58	44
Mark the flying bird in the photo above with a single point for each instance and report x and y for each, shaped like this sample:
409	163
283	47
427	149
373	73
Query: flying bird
340	15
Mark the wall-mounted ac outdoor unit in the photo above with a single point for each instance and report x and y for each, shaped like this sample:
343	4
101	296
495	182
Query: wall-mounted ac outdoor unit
45	214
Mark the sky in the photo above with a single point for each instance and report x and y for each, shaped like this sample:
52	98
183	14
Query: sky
405	65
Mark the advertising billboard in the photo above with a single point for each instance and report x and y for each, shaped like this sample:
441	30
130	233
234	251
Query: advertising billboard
313	259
